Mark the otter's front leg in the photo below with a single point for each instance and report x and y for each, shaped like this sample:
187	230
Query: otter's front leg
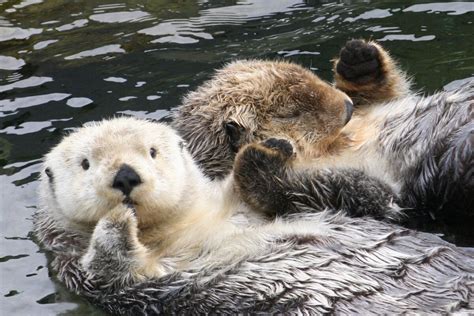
367	73
266	180
115	254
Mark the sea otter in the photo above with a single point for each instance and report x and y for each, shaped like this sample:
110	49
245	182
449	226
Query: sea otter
135	226
420	146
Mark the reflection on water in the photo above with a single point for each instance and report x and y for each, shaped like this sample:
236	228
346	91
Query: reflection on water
64	63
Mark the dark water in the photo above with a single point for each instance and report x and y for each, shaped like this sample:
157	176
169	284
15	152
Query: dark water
63	63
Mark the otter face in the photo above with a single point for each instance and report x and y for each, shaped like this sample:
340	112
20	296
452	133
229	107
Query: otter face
250	101
116	161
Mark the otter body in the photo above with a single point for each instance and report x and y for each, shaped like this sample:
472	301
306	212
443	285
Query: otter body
134	225
419	146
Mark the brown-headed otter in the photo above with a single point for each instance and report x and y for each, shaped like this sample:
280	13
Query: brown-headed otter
420	146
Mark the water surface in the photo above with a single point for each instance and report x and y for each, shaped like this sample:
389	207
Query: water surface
64	63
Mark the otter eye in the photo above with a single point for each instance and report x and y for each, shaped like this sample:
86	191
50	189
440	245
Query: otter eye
85	164
153	152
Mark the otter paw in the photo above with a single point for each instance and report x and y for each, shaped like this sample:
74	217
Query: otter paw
359	62
117	230
279	147
283	146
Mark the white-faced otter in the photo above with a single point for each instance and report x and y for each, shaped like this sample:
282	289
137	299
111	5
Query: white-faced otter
420	146
134	225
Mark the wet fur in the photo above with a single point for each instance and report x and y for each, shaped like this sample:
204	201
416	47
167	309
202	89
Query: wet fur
265	99
421	147
268	181
215	255
347	266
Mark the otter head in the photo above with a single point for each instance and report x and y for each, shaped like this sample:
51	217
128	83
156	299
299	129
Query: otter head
249	101
122	160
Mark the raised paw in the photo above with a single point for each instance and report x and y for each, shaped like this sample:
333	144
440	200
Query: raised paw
359	62
117	230
282	146
260	170
114	242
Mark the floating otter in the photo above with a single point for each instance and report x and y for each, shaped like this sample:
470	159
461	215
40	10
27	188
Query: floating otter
419	146
134	226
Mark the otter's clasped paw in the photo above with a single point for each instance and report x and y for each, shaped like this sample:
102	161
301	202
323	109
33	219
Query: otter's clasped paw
283	146
359	62
128	203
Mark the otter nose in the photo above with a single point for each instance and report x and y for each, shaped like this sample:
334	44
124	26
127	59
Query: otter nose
126	179
349	110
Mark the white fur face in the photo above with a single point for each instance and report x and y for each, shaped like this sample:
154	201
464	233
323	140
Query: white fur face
83	166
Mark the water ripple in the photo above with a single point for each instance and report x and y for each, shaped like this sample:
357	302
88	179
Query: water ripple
10	63
18	103
103	50
452	8
25	83
120	17
9	33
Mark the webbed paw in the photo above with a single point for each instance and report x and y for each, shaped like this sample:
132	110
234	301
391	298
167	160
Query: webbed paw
359	62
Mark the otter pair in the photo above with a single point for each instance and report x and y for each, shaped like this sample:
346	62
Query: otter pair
135	227
184	243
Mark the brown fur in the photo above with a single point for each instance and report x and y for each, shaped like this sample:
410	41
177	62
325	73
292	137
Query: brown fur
265	99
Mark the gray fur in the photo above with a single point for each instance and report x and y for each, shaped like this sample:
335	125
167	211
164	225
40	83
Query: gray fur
431	147
267	180
428	142
358	266
352	266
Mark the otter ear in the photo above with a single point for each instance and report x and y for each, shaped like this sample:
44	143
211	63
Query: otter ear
235	132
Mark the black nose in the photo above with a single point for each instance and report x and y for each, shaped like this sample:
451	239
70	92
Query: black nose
126	179
349	110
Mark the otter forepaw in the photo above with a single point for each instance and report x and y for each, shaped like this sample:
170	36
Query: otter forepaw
269	156
117	231
359	62
282	146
